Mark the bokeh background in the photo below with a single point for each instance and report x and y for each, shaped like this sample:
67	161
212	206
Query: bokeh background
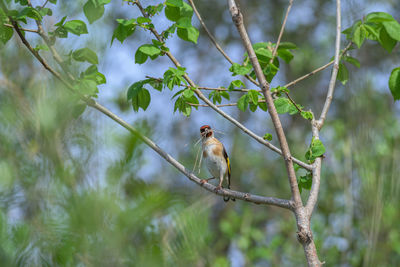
82	191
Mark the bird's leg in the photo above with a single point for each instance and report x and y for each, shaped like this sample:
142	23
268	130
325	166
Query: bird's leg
203	181
221	179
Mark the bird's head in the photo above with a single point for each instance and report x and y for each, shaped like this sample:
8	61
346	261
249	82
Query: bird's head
205	131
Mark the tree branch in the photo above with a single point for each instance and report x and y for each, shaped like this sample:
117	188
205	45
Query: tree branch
214	107
237	18
22	29
214	41
318	69
281	32
332	82
316	176
208	88
304	233
283	203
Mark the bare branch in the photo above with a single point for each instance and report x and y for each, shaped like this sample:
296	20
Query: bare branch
214	107
45	3
208	88
281	31
318	69
214	41
53	51
332	82
22	29
237	18
316	176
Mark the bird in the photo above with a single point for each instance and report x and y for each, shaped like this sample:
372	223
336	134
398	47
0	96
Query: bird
216	158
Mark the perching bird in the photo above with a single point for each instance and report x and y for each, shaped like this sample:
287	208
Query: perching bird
216	158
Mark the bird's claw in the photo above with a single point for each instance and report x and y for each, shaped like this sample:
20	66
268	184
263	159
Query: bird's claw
217	188
203	181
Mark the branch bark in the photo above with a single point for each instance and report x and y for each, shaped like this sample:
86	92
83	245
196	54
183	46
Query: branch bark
304	233
332	82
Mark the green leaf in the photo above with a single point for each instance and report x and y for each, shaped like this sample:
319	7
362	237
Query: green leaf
287	45
359	35
235	84
31	13
243	102
387	42
307	115
237	69
184	22
372	31
92	73
189	34
253	94
150	50
225	94
282	105
43	11
263	54
394	83
145	51
267	136
263	105
139	96
343	73
85	54
41	47
174	12
315	150
177	3
305	182
352	60
142	20
188	93
53	1
393	29
286	55
156	84
5	33
77	27
87	87
252	107
124	29
93	12
61	22
377	17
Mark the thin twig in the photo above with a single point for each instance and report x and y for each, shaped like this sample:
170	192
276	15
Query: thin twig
214	107
318	69
45	3
277	47
214	41
49	44
316	176
245	90
281	32
22	29
332	82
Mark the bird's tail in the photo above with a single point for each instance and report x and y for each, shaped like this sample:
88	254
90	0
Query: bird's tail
226	199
